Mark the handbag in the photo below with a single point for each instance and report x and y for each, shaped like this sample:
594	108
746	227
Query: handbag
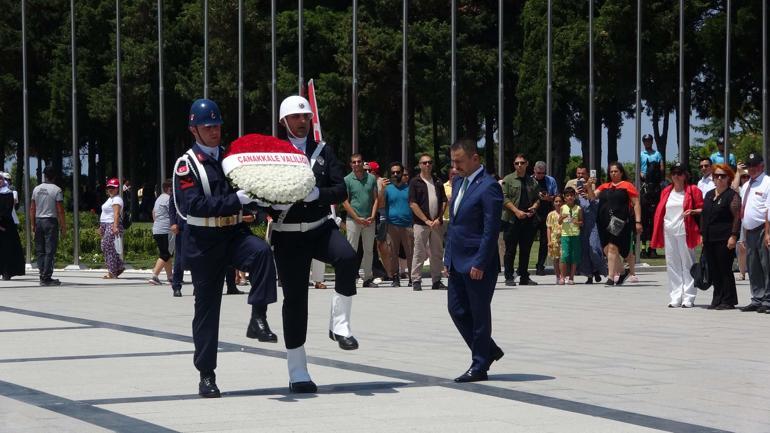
700	273
118	241
616	225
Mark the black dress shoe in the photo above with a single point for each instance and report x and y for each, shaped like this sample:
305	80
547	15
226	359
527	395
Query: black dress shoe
749	308
346	343
438	285
712	307
396	282
417	286
590	280
303	387
177	293
234	291
50	282
540	271
471	376
724	307
510	282
762	309
369	283
259	329
207	388
610	282
527	282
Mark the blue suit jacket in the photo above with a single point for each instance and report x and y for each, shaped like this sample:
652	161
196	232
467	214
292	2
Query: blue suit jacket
471	239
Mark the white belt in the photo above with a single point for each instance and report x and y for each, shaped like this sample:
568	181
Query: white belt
299	227
220	221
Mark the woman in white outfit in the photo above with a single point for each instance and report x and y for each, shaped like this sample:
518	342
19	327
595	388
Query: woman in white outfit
675	229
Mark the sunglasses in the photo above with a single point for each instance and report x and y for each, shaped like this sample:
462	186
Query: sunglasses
395	172
720	176
520	163
426	162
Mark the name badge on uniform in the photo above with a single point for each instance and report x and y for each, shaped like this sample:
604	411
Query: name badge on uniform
320	160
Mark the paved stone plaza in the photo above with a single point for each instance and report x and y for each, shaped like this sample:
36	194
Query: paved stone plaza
94	356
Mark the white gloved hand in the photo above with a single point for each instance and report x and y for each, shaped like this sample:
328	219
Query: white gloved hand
243	197
261	203
280	207
313	196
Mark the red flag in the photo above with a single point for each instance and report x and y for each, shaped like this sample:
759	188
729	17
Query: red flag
317	135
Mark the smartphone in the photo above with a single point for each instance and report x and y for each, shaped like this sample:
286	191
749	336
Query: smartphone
593	173
580	183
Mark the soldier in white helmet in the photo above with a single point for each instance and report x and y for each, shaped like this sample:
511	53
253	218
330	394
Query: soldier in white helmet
306	231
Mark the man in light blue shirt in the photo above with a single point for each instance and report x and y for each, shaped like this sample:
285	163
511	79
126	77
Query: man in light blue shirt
650	158
718	157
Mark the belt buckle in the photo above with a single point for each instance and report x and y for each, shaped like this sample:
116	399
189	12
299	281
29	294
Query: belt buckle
223	221
303	227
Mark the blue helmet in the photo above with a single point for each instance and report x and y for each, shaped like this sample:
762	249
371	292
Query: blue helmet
205	112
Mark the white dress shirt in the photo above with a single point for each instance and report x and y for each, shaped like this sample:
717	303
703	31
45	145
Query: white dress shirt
460	192
706	184
757	202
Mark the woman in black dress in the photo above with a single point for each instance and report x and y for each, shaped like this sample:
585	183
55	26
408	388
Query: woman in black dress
617	199
12	263
720	228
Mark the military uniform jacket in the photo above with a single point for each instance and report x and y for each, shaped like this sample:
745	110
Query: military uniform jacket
329	178
192	201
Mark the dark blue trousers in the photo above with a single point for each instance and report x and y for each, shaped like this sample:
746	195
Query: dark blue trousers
246	252
469	302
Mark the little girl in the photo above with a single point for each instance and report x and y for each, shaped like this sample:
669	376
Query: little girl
553	225
571	218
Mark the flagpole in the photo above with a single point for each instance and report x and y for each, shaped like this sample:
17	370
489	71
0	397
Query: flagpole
681	81
240	68
205	48
25	114
354	90
404	88
638	114
161	95
119	97
75	153
453	89
549	95
500	92
727	81
274	79
591	138
765	143
300	52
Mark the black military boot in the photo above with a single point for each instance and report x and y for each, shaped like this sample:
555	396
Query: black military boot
207	387
259	329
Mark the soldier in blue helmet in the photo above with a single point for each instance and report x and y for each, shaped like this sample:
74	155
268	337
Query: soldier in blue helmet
216	239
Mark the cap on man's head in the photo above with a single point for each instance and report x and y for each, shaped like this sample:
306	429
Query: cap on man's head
374	166
113	183
646	137
754	159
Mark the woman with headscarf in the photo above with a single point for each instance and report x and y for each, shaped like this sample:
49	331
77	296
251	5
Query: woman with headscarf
617	199
676	230
12	263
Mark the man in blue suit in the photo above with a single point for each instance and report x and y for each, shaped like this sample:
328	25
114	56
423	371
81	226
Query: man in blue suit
471	256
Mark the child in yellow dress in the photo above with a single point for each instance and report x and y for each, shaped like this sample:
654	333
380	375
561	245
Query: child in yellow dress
553	226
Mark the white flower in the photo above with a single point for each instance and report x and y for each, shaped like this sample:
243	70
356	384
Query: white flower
276	184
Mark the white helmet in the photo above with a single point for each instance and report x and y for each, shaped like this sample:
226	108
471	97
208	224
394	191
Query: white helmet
294	104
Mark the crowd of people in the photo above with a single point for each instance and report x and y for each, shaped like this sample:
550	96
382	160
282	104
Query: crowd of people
396	221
